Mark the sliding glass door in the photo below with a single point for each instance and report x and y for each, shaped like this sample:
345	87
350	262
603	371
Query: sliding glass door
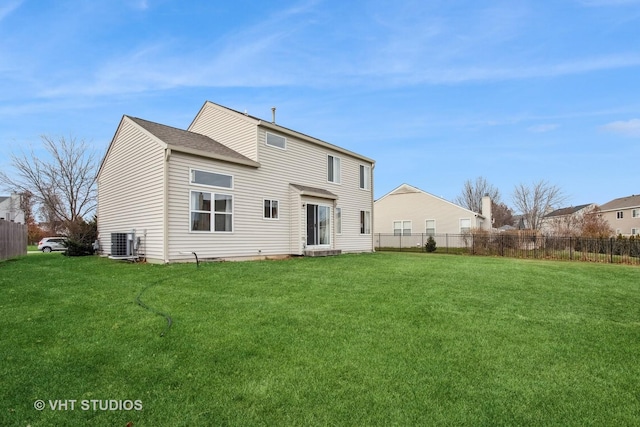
318	225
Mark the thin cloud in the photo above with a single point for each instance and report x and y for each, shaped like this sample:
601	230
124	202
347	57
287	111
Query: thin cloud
629	128
543	128
6	9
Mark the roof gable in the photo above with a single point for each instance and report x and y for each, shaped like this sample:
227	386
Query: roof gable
278	128
192	143
409	189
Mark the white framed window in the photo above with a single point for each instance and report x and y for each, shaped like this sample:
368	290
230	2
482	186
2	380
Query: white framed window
430	227
211	211
619	214
635	213
211	179
338	220
333	169
271	209
402	228
635	231
365	222
276	141
465	225
618	231
365	177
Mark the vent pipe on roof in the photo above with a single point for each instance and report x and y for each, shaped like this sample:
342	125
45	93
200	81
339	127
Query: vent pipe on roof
273	115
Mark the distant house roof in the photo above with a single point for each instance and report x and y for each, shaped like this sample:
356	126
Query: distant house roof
567	211
407	189
632	201
191	142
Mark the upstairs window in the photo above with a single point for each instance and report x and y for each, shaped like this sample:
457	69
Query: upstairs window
276	140
211	179
333	169
635	213
619	214
365	177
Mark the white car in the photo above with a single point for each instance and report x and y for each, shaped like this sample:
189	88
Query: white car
49	244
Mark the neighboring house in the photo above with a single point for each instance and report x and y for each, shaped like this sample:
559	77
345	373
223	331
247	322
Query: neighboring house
10	208
565	221
230	186
408	210
623	215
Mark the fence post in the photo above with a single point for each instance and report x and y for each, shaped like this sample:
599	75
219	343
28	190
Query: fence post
611	249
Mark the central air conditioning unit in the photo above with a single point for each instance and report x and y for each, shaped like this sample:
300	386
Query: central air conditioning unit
124	245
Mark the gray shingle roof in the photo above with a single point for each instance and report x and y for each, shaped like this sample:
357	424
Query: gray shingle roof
178	138
566	211
632	201
313	191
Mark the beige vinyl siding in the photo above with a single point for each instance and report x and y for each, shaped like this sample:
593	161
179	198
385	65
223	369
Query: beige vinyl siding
625	224
417	207
227	127
305	163
301	163
130	190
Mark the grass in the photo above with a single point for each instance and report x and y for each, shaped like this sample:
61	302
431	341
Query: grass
375	339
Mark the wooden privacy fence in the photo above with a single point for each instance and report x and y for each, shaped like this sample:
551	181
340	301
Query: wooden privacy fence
13	239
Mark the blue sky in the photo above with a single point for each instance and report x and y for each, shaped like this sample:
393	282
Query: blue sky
437	92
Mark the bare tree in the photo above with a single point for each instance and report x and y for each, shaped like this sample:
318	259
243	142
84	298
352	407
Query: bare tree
64	185
595	225
536	200
502	214
472	193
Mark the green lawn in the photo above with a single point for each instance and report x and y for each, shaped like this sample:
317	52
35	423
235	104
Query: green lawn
375	339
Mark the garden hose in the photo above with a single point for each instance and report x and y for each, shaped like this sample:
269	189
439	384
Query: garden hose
159	313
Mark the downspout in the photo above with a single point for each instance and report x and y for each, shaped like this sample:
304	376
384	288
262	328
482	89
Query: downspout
373	239
165	204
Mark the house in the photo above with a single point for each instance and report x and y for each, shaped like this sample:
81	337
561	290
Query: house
230	186
623	214
565	221
408	210
10	208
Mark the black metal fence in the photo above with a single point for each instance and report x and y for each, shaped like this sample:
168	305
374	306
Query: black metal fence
624	250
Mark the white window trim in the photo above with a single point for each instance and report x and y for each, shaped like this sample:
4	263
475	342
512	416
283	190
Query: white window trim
195	184
460	224
635	231
402	227
435	226
212	213
635	213
367	181
365	223
339	181
337	212
271	218
619	215
266	138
